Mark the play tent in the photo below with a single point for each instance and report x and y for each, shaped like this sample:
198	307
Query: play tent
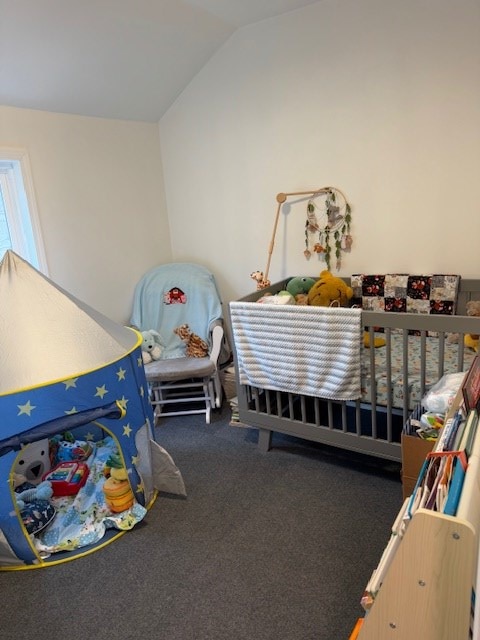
72	382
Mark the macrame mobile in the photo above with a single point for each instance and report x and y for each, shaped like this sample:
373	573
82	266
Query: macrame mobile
327	228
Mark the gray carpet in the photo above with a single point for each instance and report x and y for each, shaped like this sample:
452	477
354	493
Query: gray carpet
275	546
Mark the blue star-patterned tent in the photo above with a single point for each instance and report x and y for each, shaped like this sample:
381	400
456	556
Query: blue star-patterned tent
66	368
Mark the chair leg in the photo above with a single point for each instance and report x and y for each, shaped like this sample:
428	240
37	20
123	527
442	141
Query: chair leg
218	393
207	393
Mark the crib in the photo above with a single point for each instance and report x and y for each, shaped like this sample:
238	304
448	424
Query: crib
394	378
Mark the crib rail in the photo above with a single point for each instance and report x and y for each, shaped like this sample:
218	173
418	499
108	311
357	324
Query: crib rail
372	427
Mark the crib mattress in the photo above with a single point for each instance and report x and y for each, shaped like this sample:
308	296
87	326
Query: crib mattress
414	359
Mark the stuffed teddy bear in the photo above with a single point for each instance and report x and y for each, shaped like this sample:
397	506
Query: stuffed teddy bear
152	346
329	290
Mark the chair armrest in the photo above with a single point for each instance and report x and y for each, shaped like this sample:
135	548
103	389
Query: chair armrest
217	337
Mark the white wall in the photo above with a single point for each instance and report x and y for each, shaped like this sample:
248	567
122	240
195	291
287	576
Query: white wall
99	191
377	97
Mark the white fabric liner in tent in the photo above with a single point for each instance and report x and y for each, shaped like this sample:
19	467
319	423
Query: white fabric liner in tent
65	367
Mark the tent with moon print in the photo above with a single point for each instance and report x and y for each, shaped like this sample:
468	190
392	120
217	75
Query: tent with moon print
79	465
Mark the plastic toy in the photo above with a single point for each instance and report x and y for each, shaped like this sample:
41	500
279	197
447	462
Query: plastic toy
67	478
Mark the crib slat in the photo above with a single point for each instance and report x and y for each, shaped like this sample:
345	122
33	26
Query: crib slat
388	347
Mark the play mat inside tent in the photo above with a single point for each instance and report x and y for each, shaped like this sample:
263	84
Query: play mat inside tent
69	522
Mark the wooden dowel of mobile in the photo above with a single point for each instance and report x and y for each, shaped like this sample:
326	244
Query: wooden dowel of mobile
281	198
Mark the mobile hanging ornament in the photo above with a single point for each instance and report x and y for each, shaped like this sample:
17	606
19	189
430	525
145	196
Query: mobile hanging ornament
327	227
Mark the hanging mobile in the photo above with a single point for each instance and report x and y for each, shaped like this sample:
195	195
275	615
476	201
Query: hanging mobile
327	226
335	219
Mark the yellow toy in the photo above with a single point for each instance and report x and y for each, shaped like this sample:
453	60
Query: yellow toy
118	492
471	339
329	291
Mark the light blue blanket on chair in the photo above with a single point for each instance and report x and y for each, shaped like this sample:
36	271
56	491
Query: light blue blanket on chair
173	294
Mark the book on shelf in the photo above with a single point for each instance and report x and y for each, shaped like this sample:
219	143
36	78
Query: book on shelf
452	498
439	484
449	432
468	435
471	386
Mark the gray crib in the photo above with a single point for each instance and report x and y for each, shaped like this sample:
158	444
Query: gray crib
418	351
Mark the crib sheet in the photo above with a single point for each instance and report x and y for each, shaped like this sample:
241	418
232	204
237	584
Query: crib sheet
414	382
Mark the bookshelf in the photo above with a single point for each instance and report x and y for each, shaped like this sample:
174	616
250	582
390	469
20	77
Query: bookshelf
428	589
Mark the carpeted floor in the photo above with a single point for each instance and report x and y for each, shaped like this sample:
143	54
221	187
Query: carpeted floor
275	546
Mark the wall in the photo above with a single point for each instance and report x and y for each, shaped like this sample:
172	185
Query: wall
377	97
99	191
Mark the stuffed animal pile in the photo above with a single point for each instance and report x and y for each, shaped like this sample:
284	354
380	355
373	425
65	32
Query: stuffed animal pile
327	291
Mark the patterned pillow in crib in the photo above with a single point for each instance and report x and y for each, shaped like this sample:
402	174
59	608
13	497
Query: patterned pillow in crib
404	293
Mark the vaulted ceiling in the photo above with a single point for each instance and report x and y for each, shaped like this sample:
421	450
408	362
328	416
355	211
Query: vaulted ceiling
126	59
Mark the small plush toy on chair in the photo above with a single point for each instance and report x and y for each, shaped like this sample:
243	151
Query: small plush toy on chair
152	346
195	346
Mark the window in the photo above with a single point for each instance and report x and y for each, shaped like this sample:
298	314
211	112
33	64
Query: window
19	226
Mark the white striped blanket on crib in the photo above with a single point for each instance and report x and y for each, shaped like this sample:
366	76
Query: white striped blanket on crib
313	351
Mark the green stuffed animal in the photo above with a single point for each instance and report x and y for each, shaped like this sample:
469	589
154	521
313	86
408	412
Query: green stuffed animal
300	286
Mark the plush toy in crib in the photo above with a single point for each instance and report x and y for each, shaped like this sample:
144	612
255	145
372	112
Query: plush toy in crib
152	346
471	339
282	297
329	291
299	287
195	347
262	282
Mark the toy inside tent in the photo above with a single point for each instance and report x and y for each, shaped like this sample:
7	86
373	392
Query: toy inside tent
79	433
